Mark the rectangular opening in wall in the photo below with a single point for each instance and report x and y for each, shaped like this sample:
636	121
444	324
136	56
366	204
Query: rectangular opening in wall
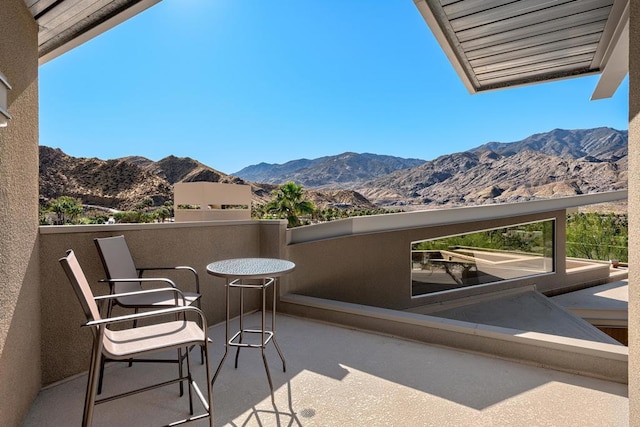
487	256
240	207
227	207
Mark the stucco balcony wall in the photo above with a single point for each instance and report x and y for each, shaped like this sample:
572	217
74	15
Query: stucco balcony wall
374	268
367	260
370	268
65	345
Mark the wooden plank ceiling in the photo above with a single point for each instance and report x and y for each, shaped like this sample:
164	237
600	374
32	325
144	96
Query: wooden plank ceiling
500	43
63	24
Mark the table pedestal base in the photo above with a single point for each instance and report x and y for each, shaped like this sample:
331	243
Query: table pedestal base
237	340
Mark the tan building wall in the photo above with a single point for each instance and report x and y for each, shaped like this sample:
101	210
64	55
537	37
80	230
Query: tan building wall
375	268
211	197
66	347
19	270
634	214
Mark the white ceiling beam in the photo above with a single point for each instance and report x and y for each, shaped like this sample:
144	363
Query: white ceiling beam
616	60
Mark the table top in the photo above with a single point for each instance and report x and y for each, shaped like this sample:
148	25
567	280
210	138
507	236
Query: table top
250	268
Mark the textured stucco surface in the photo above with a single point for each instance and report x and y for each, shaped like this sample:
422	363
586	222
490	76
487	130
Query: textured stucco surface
634	213
374	269
19	272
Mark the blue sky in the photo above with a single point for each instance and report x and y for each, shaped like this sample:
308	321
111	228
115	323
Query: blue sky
233	83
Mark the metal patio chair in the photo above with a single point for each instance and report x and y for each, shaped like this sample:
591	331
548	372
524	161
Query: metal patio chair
123	278
134	342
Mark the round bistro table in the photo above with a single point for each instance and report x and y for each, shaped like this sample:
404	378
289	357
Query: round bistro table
251	273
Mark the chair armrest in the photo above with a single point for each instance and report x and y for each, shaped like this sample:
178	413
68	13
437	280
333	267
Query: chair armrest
141	270
140	280
145	291
146	314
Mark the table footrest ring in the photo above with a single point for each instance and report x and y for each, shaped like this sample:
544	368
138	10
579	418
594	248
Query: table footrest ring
268	334
240	283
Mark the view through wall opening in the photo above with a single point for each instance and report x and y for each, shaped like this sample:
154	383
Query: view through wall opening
482	257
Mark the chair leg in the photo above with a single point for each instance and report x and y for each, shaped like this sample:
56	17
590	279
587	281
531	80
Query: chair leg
180	369
205	350
201	354
198	305
101	376
102	358
189	382
90	397
135	325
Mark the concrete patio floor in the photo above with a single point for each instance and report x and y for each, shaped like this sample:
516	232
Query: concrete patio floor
342	377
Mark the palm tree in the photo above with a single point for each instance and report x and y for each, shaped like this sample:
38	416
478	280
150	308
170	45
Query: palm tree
162	213
289	203
66	208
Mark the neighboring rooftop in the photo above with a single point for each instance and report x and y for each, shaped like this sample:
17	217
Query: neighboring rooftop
522	309
604	305
338	377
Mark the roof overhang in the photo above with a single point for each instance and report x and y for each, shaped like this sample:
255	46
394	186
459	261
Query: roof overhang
495	44
65	24
492	44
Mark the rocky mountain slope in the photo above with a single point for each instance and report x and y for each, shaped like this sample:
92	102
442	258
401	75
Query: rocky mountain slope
554	164
605	144
125	182
490	178
116	183
331	171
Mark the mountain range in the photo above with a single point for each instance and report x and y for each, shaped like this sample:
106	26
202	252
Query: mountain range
123	183
552	164
336	171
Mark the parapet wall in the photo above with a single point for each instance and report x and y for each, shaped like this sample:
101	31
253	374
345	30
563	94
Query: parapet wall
375	268
367	260
595	359
66	346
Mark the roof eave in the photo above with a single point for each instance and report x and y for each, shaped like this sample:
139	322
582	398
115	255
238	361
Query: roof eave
446	45
610	59
615	56
75	38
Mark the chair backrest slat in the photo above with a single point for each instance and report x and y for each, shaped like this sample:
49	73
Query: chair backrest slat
118	263
80	286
